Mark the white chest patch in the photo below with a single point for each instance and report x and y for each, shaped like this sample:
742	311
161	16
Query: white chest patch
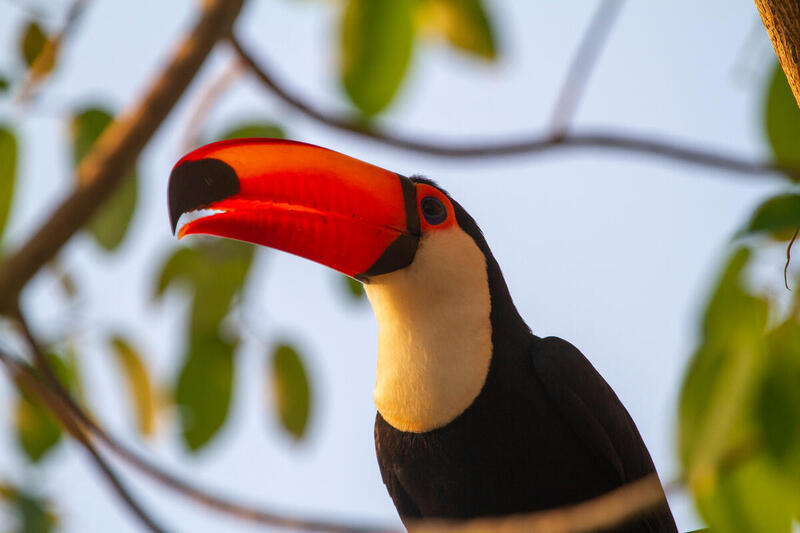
434	332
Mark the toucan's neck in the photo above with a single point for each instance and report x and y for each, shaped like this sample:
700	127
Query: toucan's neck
438	322
434	333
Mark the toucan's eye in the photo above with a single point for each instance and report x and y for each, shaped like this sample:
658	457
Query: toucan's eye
433	210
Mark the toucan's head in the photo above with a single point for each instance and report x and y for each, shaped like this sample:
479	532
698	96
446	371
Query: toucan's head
351	216
424	262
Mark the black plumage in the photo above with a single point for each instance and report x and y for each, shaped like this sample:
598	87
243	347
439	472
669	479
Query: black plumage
546	430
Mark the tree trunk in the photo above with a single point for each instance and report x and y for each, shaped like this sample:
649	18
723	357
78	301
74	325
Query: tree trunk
782	20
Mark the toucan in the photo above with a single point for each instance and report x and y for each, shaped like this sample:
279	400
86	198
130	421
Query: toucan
477	416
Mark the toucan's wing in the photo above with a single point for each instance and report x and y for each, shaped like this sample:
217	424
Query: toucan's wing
592	410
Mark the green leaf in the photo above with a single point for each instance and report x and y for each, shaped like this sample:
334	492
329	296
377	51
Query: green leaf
140	387
464	23
110	224
215	271
353	288
782	119
204	389
377	40
777	407
253	129
4	84
33	514
32	43
180	267
292	393
723	374
750	497
777	216
37	431
8	173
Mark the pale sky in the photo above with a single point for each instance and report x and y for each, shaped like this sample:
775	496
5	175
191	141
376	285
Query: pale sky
611	251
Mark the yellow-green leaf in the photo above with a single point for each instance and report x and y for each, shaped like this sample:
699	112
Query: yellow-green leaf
782	119
749	497
353	288
140	387
779	216
37	431
8	173
292	393
723	375
32	43
464	23
377	40
110	224
253	129
204	388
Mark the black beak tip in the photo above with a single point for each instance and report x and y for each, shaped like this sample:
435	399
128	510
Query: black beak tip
198	184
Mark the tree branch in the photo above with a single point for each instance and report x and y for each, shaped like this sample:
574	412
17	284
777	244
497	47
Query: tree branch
192	492
24	376
612	509
781	18
535	144
103	169
585	58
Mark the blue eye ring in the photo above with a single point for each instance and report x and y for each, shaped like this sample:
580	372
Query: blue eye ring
433	210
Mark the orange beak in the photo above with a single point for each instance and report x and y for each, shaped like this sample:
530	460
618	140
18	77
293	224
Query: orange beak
316	203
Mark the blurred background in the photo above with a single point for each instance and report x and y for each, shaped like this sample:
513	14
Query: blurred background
270	399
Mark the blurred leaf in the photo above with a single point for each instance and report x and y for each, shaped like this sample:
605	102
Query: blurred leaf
722	376
110	224
140	387
34	515
179	267
37	431
32	512
464	23
377	39
204	388
32	43
4	84
352	287
782	119
253	129
291	389
778	404
776	215
8	173
215	270
751	497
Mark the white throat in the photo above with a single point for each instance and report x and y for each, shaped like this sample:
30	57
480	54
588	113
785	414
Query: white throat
434	332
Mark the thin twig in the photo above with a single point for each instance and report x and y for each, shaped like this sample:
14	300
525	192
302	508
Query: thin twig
584	60
534	144
24	376
52	47
196	494
789	259
206	101
104	168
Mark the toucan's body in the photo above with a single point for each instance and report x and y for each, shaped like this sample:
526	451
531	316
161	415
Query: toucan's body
476	415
